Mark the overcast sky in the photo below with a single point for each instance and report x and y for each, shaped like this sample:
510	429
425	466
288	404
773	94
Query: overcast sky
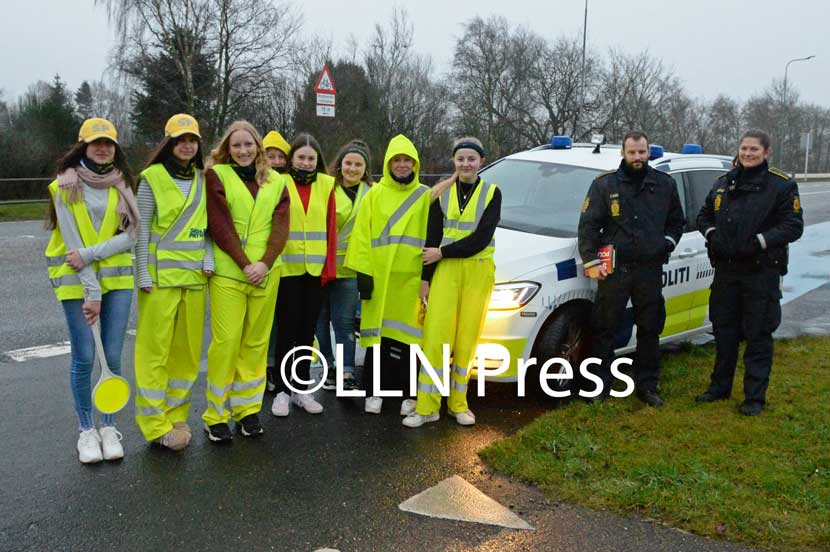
730	46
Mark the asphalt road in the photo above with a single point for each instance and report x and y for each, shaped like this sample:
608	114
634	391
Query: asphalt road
310	482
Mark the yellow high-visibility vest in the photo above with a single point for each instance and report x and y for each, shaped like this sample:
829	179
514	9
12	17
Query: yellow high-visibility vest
115	272
251	219
458	225
305	251
177	231
346	215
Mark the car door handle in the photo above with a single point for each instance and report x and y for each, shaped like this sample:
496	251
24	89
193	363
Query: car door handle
686	253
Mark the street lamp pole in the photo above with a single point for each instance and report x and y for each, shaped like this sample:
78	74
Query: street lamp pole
786	105
582	91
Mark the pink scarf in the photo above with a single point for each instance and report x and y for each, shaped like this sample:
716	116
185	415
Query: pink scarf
72	182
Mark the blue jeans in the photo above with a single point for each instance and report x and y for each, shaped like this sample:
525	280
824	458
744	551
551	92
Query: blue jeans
115	313
339	308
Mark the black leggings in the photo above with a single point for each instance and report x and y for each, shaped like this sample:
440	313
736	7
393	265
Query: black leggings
298	307
394	367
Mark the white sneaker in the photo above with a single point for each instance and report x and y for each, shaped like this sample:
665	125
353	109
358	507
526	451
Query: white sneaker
408	406
466	418
417	420
111	443
307	403
373	405
89	447
281	405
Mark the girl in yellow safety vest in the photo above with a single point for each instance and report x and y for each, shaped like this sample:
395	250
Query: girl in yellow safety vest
461	285
308	264
247	206
173	261
340	298
276	150
94	221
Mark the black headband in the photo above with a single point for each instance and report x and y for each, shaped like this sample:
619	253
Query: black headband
468	145
359	151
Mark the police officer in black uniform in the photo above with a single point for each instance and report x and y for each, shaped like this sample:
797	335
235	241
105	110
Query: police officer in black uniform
749	217
637	210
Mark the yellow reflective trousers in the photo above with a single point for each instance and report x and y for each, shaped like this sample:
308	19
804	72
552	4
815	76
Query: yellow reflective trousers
458	299
241	319
168	348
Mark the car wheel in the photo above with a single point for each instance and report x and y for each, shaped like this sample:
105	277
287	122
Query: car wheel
567	336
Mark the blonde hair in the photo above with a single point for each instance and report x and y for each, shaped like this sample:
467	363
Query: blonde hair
221	153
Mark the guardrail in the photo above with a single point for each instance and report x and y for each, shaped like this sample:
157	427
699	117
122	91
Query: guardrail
15	191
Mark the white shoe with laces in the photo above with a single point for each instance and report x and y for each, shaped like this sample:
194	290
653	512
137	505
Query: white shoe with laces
307	403
89	447
111	443
417	420
408	406
281	405
373	405
466	418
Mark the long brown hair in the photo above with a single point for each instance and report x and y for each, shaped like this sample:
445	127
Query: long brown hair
355	146
221	154
72	158
164	151
305	139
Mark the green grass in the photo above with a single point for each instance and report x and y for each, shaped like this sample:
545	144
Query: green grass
703	468
23	211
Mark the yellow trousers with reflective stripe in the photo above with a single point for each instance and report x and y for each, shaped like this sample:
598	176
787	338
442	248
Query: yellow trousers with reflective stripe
168	347
241	317
458	299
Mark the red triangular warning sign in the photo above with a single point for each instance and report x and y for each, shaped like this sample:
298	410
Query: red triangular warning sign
325	84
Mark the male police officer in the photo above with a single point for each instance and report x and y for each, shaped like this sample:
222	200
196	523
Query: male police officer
637	210
749	217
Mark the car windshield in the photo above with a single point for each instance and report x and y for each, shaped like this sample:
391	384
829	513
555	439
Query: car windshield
540	198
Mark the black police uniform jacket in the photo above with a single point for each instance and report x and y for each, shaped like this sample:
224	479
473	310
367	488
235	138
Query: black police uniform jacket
749	218
643	220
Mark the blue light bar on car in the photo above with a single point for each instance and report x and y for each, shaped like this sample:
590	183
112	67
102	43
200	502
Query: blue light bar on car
655	152
561	142
692	148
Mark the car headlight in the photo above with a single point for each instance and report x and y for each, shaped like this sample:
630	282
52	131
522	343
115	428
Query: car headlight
512	295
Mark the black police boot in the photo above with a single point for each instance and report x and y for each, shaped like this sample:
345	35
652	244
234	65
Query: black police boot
649	397
751	408
711	396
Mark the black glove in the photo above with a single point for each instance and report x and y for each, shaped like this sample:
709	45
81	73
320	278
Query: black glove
667	251
365	285
750	249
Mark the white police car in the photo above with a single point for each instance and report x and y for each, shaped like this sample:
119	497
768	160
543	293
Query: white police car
541	303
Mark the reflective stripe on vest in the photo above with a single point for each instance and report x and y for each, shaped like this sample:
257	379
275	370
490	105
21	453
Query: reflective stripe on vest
115	272
386	237
458	225
177	239
306	248
346	216
251	219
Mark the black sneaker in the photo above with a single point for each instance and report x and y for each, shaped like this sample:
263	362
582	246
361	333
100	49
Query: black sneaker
751	408
651	398
330	384
350	384
249	426
711	396
219	433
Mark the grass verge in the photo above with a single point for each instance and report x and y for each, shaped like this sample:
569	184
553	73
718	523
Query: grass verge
23	211
703	468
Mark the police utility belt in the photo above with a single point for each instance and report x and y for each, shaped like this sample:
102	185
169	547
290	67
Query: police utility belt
775	257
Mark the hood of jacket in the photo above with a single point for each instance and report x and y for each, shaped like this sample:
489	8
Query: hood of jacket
400	144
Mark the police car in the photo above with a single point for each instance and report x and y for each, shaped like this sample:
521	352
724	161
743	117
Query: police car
540	306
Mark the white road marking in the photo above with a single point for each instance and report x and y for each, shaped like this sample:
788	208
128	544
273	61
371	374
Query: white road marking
41	351
455	498
814	193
